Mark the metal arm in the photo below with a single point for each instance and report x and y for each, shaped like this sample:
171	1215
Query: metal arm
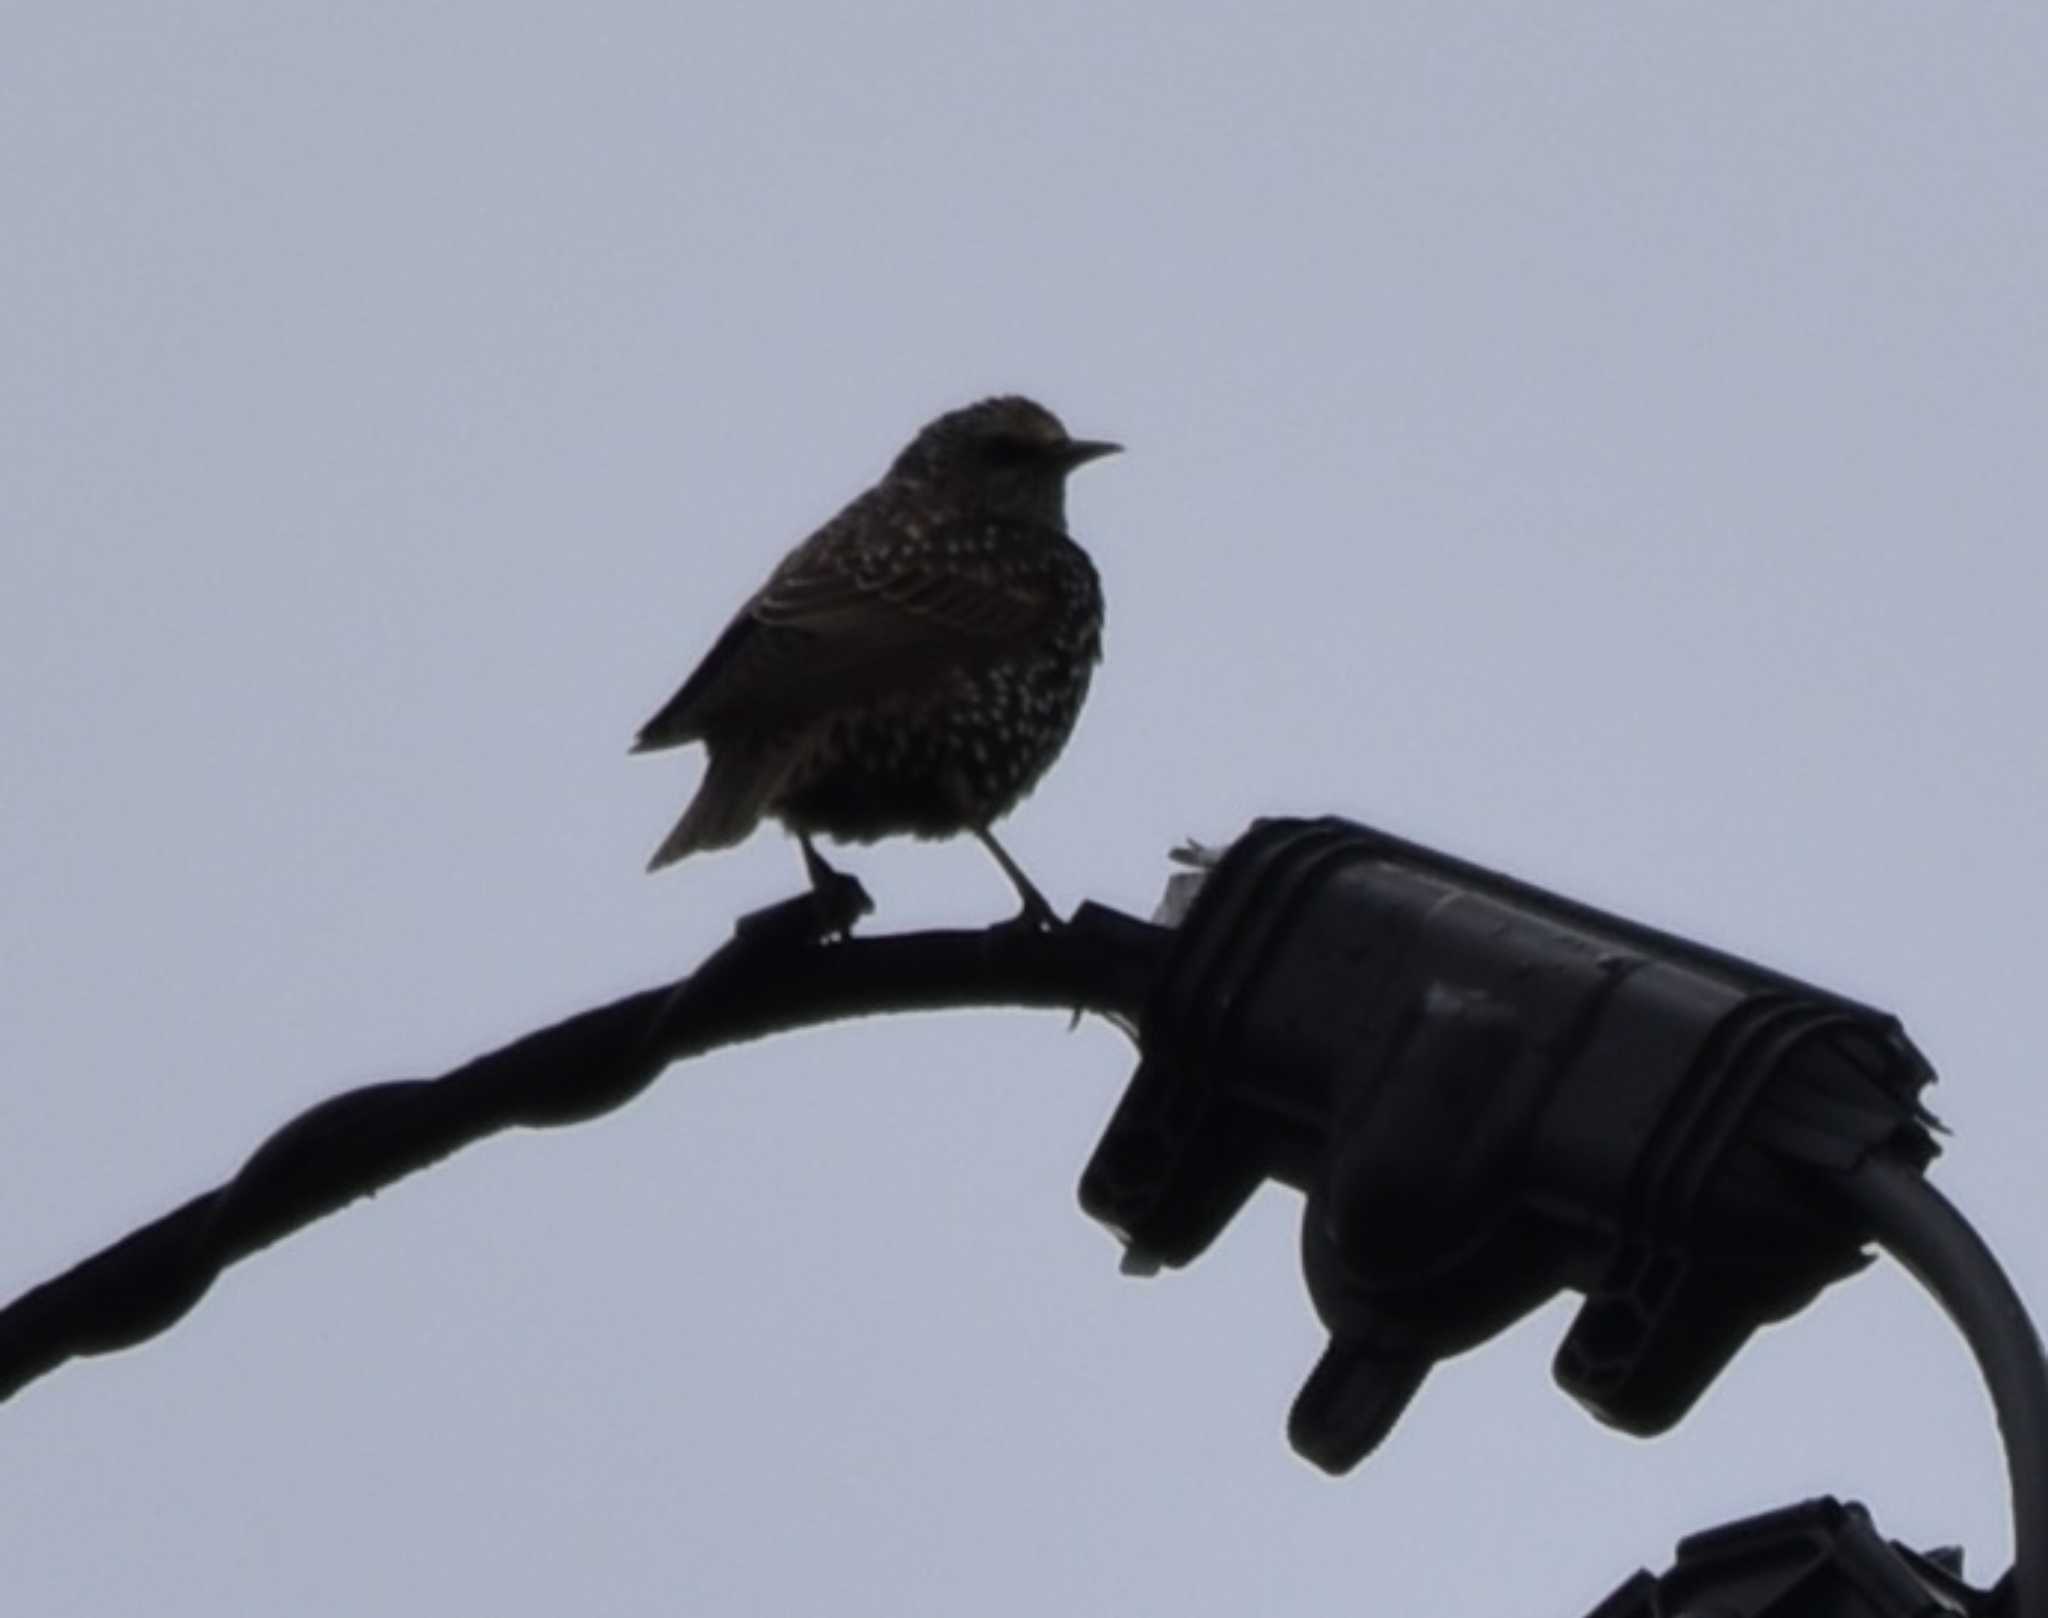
1922	1229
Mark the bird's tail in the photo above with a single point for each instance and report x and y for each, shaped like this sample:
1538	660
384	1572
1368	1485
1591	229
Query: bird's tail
736	791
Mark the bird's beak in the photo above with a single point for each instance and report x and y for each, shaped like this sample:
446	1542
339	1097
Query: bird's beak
1080	451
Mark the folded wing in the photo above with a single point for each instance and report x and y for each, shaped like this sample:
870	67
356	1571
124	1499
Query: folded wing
829	632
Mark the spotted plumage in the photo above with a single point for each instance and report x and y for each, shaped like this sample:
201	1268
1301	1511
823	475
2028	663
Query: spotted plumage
914	666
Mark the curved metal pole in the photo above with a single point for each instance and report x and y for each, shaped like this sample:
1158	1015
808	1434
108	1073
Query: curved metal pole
1924	1231
778	972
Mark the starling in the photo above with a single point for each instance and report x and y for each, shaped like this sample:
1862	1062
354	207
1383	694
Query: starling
915	665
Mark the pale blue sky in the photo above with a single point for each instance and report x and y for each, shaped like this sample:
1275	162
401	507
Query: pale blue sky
1604	442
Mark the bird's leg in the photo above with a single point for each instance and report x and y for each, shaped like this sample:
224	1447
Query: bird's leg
815	868
839	899
836	901
1036	912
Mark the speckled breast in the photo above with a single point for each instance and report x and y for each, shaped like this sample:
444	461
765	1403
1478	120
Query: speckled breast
962	757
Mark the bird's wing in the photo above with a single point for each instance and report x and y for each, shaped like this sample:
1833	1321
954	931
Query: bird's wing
945	594
830	630
680	719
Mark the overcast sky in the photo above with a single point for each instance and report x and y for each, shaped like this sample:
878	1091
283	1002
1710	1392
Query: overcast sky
1603	442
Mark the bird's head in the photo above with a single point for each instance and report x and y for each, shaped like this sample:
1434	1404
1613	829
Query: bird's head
1006	457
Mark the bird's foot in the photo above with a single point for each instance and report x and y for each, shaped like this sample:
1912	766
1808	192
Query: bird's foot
836	901
1037	916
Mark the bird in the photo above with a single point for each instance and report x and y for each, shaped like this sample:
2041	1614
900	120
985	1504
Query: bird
914	666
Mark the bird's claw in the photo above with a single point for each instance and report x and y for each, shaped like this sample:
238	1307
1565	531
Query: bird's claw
838	902
1036	917
826	913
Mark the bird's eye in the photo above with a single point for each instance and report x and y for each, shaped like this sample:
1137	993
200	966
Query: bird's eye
1008	451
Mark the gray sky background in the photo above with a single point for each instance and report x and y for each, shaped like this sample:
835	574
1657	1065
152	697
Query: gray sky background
1605	442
